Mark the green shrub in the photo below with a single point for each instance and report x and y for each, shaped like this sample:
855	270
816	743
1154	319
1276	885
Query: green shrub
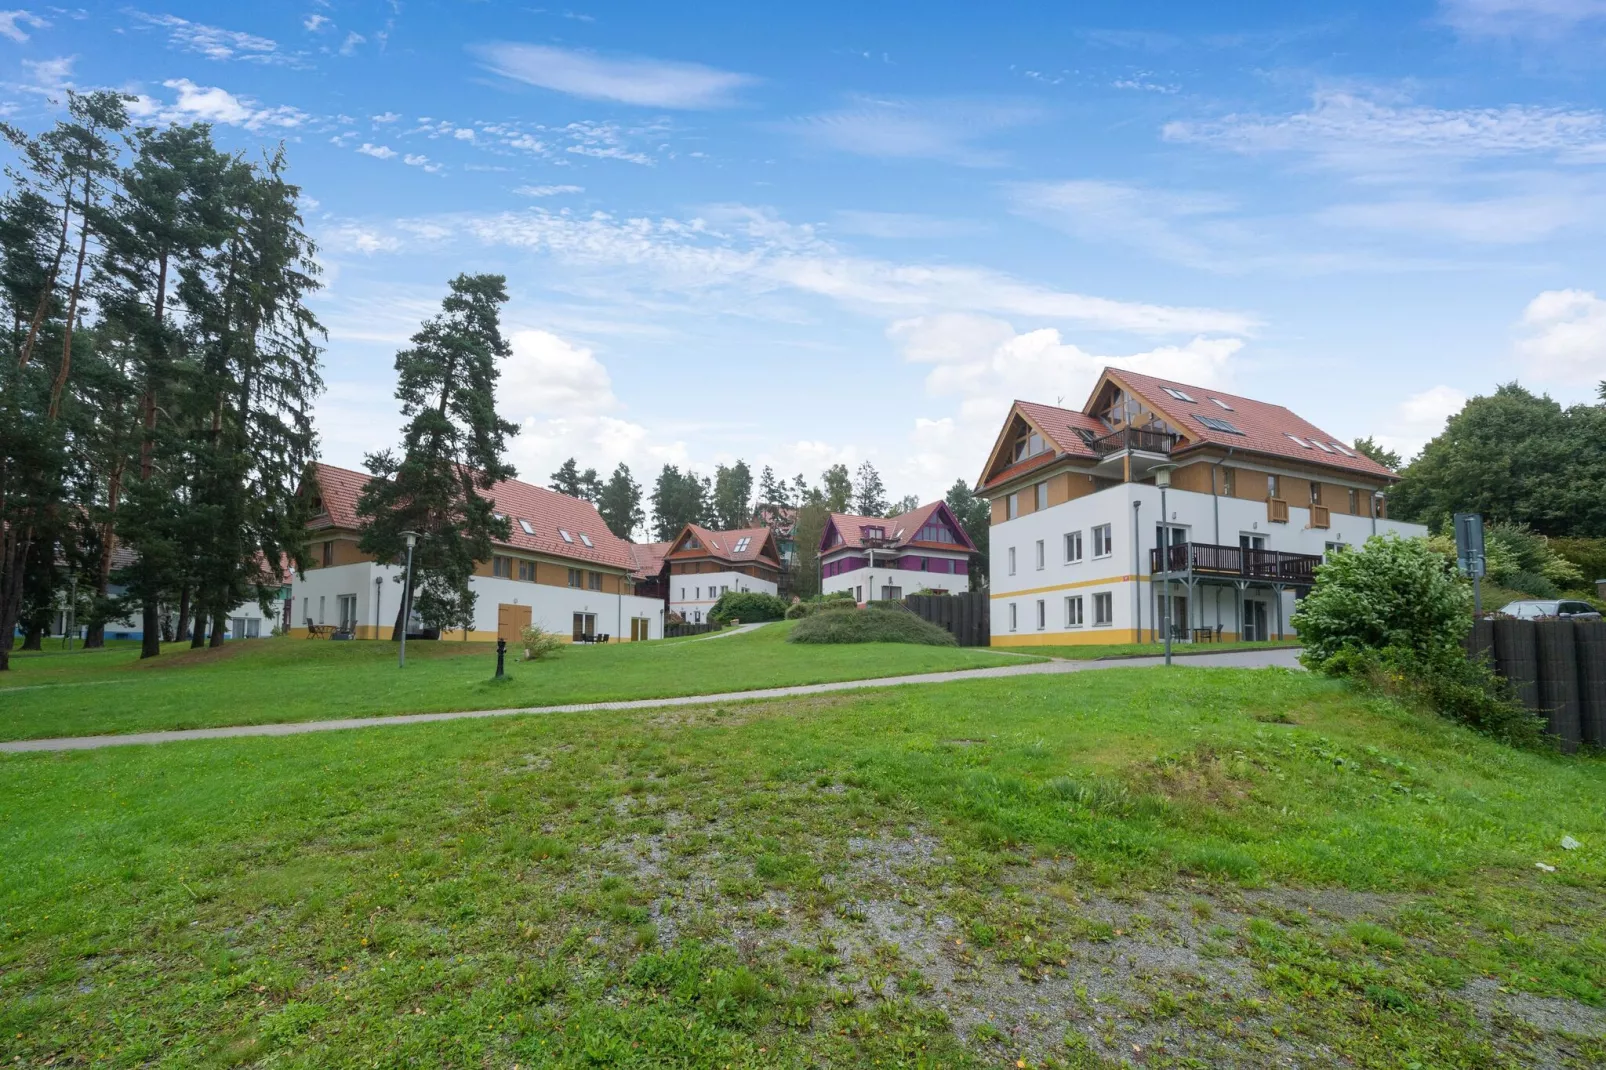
1460	689
539	643
748	607
829	603
1392	594
1589	555
1530	583
868	626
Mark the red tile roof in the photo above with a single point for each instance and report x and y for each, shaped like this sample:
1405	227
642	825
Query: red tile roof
900	529
1266	428
549	513
649	558
1062	426
722	544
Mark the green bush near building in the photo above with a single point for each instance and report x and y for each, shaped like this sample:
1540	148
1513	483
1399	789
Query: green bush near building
882	624
749	607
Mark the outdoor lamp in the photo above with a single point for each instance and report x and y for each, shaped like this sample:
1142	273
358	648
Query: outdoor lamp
411	538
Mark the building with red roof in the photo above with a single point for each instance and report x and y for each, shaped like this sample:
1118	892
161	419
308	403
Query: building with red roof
703	564
560	567
886	558
1257	497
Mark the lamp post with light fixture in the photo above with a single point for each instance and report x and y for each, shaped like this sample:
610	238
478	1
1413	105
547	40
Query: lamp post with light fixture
1162	479
1377	507
407	598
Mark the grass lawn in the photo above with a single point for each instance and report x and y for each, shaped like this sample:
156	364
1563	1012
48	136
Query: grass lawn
266	680
1150	650
1188	868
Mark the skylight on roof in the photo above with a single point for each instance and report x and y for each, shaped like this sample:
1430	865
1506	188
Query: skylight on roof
1299	440
525	526
1180	395
587	540
1321	446
1341	449
1223	404
1216	423
565	535
741	544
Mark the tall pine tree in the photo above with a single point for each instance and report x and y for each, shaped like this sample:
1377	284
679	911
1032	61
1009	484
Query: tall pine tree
620	503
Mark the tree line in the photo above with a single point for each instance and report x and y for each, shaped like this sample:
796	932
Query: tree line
160	363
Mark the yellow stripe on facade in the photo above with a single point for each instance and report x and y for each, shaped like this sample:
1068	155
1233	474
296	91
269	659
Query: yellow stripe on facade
1080	637
1067	586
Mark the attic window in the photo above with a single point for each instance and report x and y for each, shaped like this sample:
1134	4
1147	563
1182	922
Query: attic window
1341	449
1299	440
498	516
899	534
1029	445
526	527
741	544
565	536
1180	395
1321	446
587	540
873	531
1216	423
691	543
1223	404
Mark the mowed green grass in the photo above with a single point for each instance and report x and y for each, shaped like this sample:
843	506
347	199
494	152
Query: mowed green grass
268	680
687	888
1149	650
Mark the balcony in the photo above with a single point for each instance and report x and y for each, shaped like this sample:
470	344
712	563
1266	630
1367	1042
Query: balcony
1203	559
1135	439
1320	517
1276	511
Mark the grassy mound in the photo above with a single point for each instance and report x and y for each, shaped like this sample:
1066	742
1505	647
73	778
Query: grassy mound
869	626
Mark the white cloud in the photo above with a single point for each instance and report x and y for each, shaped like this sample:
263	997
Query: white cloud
1521	18
386	117
12	23
629	80
1564	336
1500	220
899	225
349	45
1160	222
1355	132
378	152
211	104
931	129
547	191
419	160
314	23
1419	418
985	364
548	375
51	74
354	238
214	42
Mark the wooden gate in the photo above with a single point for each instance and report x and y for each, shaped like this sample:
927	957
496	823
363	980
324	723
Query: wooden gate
510	620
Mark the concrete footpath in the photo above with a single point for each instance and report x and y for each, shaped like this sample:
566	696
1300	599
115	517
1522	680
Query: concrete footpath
1245	659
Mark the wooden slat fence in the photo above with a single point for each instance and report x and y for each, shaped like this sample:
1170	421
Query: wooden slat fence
968	616
1556	668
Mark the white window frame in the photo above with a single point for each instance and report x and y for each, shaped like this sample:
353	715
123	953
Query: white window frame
1103	606
1011	560
1012	506
1073	541
1074	616
1105	536
1014	616
1042	614
1042	496
1042	556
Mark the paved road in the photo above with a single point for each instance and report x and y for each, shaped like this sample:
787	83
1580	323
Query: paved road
1246	659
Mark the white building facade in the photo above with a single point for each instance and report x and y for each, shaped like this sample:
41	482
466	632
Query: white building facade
886	559
704	564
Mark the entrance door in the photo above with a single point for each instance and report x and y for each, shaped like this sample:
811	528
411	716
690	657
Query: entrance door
346	607
585	626
1254	629
1179	616
639	629
510	620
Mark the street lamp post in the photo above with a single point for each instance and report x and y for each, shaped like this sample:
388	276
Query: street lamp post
379	603
1162	479
407	598
72	610
1377	506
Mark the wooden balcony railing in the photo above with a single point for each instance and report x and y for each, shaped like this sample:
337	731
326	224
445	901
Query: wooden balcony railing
1133	438
1320	517
1210	559
1276	511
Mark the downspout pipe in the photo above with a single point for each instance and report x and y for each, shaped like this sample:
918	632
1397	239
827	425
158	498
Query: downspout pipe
1215	504
1137	573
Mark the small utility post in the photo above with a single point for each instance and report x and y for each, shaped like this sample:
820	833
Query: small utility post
501	652
1469	554
407	597
379	601
72	609
1162	479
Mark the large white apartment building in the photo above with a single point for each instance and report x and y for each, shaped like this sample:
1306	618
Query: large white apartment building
1081	553
560	568
889	557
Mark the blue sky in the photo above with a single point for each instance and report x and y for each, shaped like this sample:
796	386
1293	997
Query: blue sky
846	231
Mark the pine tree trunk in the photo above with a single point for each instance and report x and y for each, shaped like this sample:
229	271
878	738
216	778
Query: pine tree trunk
14	546
183	631
198	629
59	386
219	624
150	643
33	636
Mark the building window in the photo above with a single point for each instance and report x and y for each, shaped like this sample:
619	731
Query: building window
683	594
1011	560
1073	547
328	553
594	580
1012	506
1229	482
1042	614
1042	496
527	571
1012	616
1103	545
1103	608
1274	487
1040	555
1315	492
501	566
1073	611
574	577
1354	502
858	593
1335	548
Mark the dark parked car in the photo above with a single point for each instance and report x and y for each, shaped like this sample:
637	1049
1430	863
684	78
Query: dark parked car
1538	609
